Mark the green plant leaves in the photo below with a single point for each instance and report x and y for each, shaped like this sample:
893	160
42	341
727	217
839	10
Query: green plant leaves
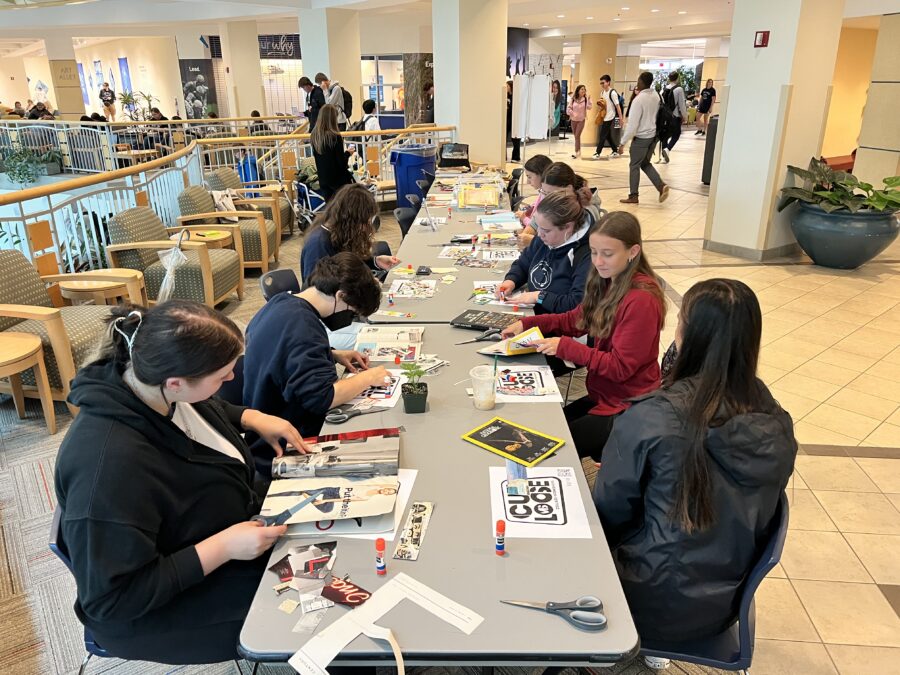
835	190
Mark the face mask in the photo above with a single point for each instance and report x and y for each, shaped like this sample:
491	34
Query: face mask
338	320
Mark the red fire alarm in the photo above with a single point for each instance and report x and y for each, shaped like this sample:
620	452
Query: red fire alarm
761	39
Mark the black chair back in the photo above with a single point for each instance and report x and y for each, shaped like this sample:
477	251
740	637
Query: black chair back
274	282
416	201
405	218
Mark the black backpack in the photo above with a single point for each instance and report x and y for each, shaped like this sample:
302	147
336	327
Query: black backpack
668	98
665	121
361	124
348	103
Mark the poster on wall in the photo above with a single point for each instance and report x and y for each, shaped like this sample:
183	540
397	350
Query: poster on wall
198	85
98	76
279	46
125	79
546	64
84	86
516	52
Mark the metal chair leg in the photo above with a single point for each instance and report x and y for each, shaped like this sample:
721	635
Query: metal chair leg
84	662
569	386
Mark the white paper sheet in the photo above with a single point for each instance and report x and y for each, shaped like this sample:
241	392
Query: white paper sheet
559	514
381	397
458	251
527	384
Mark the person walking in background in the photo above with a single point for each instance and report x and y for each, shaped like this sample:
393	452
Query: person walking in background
707	101
613	110
516	142
428	104
642	128
315	99
334	95
108	99
673	99
577	112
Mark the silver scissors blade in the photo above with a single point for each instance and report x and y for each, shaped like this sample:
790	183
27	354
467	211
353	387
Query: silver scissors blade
523	603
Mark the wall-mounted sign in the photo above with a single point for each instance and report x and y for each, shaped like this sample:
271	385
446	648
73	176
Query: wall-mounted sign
761	39
279	46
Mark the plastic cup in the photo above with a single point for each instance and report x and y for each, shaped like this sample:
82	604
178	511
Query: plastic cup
483	387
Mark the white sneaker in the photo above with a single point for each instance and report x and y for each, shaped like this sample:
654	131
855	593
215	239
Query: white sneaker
615	154
656	663
596	155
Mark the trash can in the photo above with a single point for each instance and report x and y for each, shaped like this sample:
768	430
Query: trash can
710	149
410	163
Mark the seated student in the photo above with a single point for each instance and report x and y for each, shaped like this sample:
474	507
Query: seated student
289	367
559	177
534	169
622	313
257	126
329	153
555	265
156	488
693	472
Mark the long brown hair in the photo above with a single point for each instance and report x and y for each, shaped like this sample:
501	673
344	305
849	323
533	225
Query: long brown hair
602	296
561	209
560	174
326	131
348	219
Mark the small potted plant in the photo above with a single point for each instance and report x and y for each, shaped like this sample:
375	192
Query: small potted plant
414	392
22	166
52	161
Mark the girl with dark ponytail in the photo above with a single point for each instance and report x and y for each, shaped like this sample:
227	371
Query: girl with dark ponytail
692	473
156	488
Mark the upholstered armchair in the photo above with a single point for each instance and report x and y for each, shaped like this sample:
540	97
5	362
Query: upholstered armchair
261	238
283	215
210	275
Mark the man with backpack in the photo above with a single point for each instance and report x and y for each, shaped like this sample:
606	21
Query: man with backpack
611	106
338	97
642	128
315	99
674	100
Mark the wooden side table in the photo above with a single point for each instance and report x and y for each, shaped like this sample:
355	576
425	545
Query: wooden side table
212	238
18	352
104	290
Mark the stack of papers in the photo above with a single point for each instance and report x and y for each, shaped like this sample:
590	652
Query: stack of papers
500	222
386	343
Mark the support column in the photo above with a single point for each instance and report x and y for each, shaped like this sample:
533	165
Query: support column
773	115
329	39
598	58
470	90
715	65
879	139
13	81
64	77
243	76
188	44
628	67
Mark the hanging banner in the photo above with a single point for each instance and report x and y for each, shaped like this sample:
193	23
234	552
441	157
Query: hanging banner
84	85
199	87
516	52
279	46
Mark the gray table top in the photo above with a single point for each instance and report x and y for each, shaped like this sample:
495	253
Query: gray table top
457	556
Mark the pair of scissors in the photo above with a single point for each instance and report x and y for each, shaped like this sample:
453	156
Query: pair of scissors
342	413
489	334
585	613
284	516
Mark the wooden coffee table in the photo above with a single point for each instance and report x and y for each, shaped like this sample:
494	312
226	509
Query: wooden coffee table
102	291
19	352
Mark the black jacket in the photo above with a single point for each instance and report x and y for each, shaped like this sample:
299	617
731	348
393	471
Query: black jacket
316	101
137	494
332	168
682	586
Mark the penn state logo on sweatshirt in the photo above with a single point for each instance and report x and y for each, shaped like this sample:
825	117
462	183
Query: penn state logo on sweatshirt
541	275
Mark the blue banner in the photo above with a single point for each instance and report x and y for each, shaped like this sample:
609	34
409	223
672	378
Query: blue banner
84	85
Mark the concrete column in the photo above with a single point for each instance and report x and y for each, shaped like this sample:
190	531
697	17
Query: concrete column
773	115
598	58
628	67
470	90
64	77
879	140
243	76
329	40
13	81
715	65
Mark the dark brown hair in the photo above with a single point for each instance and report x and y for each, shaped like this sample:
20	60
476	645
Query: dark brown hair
575	96
176	338
348	219
538	164
561	209
560	174
348	273
304	82
602	296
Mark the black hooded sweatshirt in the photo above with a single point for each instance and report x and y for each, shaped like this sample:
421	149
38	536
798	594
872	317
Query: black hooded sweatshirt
684	586
137	494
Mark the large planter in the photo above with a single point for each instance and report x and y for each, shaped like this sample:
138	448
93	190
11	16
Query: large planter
843	240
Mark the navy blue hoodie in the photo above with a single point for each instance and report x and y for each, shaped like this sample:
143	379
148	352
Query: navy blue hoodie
561	272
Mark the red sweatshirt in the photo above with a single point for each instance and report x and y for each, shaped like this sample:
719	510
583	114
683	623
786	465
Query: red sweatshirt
620	366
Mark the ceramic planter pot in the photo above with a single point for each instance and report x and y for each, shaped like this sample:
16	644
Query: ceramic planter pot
415	397
843	240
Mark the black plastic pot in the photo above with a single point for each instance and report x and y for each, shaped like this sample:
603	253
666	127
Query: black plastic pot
415	397
843	240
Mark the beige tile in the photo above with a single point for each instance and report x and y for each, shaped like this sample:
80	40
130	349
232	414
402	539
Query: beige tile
779	613
789	317
797	346
863	404
820	370
797	406
810	434
795	482
809	387
886	322
833	473
885	369
872	305
895	500
837	357
813	304
847	315
777	572
780	657
821	556
856	660
863	512
893	357
845	613
879	553
836	419
885	473
808	283
869	342
782	360
877	386
773	329
807	513
886	435
824	332
770	374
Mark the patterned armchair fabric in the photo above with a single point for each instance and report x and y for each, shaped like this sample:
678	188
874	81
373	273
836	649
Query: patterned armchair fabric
224	178
137	224
196	200
20	284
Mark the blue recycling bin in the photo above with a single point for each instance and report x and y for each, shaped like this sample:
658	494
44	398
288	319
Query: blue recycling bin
410	163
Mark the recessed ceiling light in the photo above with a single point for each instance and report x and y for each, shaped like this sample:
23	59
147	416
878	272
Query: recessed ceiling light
625	9
682	12
525	24
560	16
589	18
545	26
654	11
617	19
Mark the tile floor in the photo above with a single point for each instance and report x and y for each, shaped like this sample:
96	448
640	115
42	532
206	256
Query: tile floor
831	355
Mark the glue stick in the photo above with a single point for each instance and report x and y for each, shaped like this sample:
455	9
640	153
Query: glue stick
500	545
380	567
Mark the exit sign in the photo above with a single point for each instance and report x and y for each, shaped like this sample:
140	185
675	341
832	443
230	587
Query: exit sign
761	39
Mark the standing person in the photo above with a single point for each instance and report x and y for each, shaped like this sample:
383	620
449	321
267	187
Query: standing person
334	95
673	99
556	104
613	112
156	488
329	153
315	99
707	101
692	473
108	99
516	142
577	112
642	127
634	92
622	313
370	119
428	104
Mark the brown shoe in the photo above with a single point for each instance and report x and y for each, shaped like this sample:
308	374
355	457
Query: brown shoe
630	200
664	194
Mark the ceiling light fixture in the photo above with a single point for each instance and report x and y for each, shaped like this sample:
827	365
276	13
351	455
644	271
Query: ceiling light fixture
560	16
654	11
682	12
589	18
617	19
625	9
525	24
545	26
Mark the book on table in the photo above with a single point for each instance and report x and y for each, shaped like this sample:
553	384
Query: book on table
523	343
478	319
386	343
513	441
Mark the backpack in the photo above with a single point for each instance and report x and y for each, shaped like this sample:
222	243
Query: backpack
668	98
665	121
348	103
361	124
